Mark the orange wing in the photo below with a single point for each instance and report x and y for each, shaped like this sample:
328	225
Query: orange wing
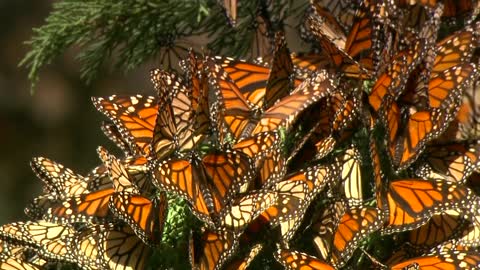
294	260
453	162
146	217
212	250
134	116
452	260
86	207
411	202
279	81
355	225
250	79
236	113
285	111
181	177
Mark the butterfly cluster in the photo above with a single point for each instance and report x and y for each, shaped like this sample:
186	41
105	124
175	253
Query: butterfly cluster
303	160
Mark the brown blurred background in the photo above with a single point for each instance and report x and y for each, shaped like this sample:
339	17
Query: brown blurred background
58	121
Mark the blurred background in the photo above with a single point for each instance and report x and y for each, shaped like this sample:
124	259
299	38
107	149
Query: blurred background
58	120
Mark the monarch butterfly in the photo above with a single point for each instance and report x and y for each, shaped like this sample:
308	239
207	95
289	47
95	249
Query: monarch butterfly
343	11
294	260
449	75
305	64
92	206
134	117
273	169
411	202
295	194
450	9
246	208
118	173
57	178
112	133
390	82
378	177
466	125
337	121
123	250
198	82
351	176
354	226
174	126
453	162
285	112
16	264
264	148
258	145
173	48
61	184
347	108
146	217
262	42
109	247
207	184
470	234
244	262
325	227
448	260
212	249
440	228
425	125
249	88
279	80
341	48
48	239
86	207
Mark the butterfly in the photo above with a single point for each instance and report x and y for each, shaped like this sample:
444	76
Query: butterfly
336	121
325	227
293	260
245	208
146	217
109	246
452	259
305	64
212	249
16	264
174	125
244	261
411	202
265	149
343	49
351	176
62	183
354	225
453	162
173	48
246	90
209	183
295	193
93	206
438	229
465	126
450	9
285	112
134	117
112	133
197	80
57	178
49	239
407	138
